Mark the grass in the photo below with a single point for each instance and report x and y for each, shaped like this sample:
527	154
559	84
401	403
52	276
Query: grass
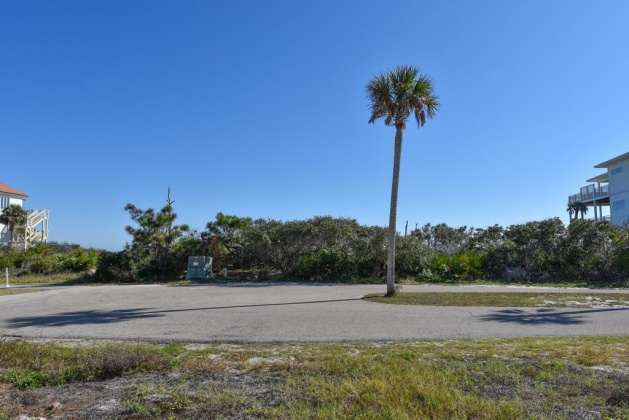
498	379
28	365
6	292
496	299
60	279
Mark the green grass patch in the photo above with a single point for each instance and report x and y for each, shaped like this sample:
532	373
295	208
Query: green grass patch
26	365
510	282
496	299
563	377
58	279
6	292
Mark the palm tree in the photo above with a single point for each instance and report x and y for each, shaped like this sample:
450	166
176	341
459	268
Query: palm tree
13	216
571	210
580	207
394	95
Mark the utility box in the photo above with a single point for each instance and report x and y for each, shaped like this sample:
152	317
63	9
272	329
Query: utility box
199	267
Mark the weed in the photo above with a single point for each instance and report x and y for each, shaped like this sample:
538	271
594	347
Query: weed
561	377
26	378
136	407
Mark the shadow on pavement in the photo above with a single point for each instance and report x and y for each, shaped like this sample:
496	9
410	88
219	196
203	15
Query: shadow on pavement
543	316
81	318
121	315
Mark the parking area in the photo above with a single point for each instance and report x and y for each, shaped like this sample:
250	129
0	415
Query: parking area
279	312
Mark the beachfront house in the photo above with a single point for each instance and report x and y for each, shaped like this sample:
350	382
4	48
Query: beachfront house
608	193
33	232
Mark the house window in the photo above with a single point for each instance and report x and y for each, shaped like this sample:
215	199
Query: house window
4	202
617	170
618	205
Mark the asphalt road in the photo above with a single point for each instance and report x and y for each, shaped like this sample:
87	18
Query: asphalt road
241	313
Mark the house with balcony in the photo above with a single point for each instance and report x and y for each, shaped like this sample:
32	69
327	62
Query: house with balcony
608	193
33	232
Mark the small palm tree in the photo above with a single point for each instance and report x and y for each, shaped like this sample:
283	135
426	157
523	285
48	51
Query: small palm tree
13	216
571	210
394	96
580	207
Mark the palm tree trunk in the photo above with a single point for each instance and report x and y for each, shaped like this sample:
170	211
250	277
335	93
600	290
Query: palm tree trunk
393	213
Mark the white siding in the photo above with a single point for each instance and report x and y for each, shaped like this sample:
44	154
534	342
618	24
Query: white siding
8	200
618	174
619	181
4	236
620	208
18	201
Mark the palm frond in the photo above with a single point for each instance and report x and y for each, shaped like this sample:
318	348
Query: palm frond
379	94
400	92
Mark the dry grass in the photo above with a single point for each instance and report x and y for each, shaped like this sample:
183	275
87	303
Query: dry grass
578	377
53	279
6	292
495	299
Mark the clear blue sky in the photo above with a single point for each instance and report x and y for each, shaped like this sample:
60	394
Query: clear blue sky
258	109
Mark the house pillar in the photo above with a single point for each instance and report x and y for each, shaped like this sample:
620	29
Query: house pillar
595	212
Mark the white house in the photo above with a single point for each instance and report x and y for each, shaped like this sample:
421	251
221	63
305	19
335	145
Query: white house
608	191
36	228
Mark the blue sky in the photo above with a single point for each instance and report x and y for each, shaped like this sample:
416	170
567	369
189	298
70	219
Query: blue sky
258	109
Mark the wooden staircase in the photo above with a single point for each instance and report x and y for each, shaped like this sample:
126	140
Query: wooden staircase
35	230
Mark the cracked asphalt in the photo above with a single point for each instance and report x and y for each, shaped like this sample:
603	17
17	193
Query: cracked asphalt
280	312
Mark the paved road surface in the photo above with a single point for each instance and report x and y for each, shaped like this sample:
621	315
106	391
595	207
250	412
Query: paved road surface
281	312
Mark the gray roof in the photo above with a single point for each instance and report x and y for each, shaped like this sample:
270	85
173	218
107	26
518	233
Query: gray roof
610	162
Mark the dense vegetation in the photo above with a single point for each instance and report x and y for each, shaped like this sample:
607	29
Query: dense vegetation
326	248
336	249
48	258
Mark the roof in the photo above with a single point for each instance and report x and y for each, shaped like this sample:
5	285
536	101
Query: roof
599	178
610	162
4	188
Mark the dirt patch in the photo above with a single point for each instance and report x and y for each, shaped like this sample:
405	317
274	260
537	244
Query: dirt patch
531	393
230	394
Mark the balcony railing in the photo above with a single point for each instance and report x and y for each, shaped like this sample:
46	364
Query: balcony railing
590	192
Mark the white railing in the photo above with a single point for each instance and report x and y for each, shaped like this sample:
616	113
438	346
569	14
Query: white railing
34	236
36	216
33	232
590	192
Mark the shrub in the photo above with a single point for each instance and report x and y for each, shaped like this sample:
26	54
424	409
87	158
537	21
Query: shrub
49	259
412	256
323	265
465	266
81	260
116	267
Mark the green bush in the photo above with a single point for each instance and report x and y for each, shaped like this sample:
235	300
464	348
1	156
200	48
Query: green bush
80	260
323	265
466	266
116	267
48	265
49	259
329	248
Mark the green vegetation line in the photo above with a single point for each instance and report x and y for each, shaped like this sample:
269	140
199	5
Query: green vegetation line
554	300
5	292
